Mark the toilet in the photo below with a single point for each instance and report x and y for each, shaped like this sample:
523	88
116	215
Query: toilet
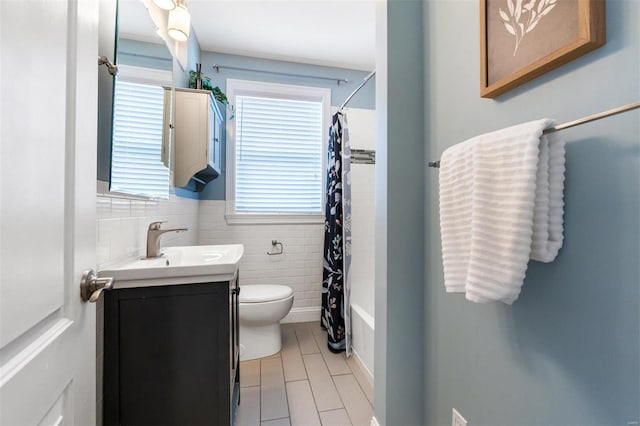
261	309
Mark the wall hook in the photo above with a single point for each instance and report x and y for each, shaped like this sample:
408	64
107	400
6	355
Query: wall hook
276	244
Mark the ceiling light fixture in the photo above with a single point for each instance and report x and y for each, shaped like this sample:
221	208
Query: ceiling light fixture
179	22
165	4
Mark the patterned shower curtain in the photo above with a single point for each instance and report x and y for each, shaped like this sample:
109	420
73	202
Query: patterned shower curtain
336	288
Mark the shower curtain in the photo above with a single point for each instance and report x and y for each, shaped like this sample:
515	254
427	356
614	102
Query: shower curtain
336	288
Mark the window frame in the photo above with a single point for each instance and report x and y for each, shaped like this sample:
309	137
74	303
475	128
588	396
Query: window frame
236	87
148	76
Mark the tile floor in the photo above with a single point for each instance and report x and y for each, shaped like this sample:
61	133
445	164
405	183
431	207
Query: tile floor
304	384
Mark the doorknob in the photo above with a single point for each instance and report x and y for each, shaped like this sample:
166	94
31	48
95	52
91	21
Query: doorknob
91	287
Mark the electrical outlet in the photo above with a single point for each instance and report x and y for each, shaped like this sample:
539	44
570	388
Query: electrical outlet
457	419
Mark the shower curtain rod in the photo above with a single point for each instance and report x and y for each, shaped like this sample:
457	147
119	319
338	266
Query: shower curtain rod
367	78
583	120
284	74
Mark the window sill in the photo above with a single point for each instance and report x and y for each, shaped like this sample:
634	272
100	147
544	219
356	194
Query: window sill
102	190
274	219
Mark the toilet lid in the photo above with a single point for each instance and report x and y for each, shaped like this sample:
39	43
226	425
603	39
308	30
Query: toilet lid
263	293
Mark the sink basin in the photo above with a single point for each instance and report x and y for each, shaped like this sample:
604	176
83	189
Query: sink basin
178	265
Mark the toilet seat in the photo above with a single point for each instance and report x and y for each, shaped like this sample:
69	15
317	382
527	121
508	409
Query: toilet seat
264	293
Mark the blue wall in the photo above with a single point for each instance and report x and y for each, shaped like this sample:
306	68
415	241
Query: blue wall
180	75
144	54
567	351
215	190
399	289
181	79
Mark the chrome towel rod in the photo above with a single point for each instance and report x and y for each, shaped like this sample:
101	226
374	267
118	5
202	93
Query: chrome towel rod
367	78
284	74
583	120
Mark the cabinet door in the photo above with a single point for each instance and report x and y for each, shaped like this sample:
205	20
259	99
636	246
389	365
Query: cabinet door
215	133
165	358
234	350
212	133
232	337
191	135
236	324
233	327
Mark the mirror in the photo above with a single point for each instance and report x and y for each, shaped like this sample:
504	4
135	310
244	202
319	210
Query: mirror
139	145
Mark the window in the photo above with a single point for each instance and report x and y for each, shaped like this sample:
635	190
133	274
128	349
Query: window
136	152
276	153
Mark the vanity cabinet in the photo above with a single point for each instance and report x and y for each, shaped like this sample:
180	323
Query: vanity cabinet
171	355
197	137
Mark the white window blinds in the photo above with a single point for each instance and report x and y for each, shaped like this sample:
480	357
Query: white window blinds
136	163
278	153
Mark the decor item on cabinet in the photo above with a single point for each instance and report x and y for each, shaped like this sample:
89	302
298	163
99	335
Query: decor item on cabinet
222	98
197	138
193	75
198	76
172	354
523	39
193	79
206	85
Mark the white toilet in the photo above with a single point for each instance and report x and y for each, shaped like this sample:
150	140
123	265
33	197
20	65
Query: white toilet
261	309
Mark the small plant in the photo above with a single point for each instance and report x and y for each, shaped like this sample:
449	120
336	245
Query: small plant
218	94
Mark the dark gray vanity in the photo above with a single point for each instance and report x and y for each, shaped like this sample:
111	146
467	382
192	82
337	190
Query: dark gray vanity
171	354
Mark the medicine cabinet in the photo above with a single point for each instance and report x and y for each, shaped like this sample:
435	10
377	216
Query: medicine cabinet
198	138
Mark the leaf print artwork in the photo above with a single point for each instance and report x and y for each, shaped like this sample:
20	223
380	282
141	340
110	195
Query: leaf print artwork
523	39
523	17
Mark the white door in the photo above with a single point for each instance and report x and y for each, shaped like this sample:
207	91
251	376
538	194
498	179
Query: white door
48	86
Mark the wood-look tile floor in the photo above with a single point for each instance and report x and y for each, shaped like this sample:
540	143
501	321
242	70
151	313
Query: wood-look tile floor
304	384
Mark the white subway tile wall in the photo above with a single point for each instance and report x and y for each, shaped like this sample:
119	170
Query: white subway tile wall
121	225
363	236
362	125
299	267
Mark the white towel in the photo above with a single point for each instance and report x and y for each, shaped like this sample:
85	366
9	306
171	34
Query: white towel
501	204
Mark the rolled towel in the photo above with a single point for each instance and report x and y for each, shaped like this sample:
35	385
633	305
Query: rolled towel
500	205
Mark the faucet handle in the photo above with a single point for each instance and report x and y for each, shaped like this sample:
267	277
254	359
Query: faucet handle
155	226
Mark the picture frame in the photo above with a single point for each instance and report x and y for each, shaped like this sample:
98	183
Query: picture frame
523	39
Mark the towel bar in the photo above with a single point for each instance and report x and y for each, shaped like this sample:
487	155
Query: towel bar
583	120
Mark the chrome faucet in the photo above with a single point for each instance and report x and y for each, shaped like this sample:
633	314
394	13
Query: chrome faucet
153	238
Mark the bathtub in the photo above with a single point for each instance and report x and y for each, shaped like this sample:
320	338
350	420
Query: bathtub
362	327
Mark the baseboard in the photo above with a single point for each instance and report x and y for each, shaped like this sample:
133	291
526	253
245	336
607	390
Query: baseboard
361	366
302	315
374	421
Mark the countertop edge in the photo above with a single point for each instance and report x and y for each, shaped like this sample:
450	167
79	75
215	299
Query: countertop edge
157	282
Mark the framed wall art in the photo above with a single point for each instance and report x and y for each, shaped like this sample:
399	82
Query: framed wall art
523	39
